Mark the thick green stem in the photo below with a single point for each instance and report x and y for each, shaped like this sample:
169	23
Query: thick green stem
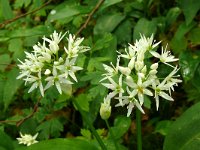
138	129
112	135
94	132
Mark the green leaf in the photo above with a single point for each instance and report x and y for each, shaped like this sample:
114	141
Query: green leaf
172	15
107	23
145	27
108	3
49	128
6	141
6	10
83	101
188	63
179	42
124	32
184	133
121	126
163	126
61	144
15	45
36	31
190	8
11	86
4	61
67	11
194	35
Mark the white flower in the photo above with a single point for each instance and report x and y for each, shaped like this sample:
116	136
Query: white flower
125	70
74	46
36	82
69	69
111	70
159	91
27	139
115	87
57	80
140	88
165	56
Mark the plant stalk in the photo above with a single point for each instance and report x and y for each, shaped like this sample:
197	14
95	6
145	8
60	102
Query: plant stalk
94	132
138	129
112	135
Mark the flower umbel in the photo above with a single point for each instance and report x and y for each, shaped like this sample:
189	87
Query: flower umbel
139	79
27	139
49	64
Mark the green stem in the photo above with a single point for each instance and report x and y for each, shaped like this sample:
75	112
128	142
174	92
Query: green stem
112	135
85	117
138	129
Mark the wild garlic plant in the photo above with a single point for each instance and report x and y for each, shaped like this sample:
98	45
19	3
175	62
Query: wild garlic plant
129	84
50	64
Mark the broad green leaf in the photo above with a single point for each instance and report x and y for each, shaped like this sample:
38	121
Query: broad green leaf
67	11
61	144
124	32
4	61
163	126
6	9
11	86
36	31
194	35
108	3
107	23
190	8
179	42
188	63
6	141
145	27
121	125
172	15
184	133
83	101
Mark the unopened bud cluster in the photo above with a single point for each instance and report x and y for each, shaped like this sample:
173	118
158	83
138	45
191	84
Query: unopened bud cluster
50	64
129	84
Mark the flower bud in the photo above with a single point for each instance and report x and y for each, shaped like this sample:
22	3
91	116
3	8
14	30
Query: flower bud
144	70
105	110
54	47
47	72
131	63
154	66
139	65
124	70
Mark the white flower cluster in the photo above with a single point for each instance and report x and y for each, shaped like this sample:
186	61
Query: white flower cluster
131	83
27	139
50	65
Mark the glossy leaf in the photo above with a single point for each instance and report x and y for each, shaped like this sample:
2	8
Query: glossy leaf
107	23
190	8
188	63
184	133
6	141
145	27
61	144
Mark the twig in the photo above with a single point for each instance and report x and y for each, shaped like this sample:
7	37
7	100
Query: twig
18	123
89	17
23	15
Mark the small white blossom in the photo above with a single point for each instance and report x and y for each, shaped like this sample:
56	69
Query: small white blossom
165	56
27	139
